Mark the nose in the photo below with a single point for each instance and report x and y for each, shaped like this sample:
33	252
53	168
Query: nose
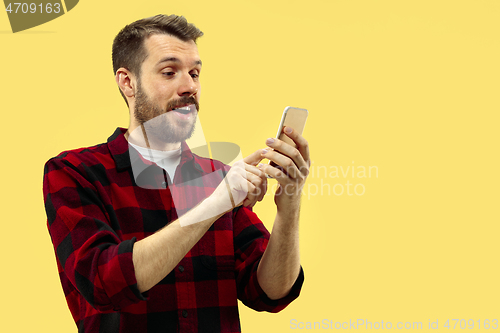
187	86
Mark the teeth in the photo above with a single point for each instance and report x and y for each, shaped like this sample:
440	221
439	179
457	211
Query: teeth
185	108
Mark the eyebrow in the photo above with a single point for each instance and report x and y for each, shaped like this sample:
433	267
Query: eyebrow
174	59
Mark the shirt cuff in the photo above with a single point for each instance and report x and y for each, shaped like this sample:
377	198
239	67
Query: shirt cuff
277	305
118	277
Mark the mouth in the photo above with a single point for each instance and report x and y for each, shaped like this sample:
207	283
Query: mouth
184	112
185	109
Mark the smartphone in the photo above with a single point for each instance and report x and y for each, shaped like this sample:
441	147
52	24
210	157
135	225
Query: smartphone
294	118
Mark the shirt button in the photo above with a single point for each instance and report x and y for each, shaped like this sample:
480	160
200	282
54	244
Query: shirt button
184	313
181	268
164	184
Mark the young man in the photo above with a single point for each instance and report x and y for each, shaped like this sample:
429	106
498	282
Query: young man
130	258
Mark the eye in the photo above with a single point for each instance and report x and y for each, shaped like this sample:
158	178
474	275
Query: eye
195	75
168	74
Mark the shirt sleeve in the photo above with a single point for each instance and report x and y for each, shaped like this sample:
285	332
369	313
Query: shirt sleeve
93	258
250	241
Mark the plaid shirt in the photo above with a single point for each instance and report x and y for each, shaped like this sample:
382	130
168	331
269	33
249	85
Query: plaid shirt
95	213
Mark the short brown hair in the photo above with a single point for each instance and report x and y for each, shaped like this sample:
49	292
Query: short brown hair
128	46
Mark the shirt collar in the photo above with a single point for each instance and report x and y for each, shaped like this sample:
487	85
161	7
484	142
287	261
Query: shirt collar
118	147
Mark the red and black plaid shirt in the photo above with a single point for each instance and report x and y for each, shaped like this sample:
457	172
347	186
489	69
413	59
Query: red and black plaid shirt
95	213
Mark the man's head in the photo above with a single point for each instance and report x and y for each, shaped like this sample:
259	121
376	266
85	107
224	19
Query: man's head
128	47
157	68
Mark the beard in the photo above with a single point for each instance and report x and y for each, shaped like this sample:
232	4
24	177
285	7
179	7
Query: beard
157	121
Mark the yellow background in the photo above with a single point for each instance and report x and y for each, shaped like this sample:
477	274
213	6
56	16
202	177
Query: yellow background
411	87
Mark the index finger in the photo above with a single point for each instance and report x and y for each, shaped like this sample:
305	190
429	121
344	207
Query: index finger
302	144
254	158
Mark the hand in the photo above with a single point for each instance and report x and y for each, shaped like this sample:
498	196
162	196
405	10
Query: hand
256	177
295	163
244	184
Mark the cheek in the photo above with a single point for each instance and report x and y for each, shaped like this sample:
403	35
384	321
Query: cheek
163	94
162	91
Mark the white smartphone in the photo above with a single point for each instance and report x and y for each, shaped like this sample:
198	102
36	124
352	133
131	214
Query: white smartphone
294	118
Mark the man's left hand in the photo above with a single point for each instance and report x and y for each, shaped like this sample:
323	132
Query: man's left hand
295	163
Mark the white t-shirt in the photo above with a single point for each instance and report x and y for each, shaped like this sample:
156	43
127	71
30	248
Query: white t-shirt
168	160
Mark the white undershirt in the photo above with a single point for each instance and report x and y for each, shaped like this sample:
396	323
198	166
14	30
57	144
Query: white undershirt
168	160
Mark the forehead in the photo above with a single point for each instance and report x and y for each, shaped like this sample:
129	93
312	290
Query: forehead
161	46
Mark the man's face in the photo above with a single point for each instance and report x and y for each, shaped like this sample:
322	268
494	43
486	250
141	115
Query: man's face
169	80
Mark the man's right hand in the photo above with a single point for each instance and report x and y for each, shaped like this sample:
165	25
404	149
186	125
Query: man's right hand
244	184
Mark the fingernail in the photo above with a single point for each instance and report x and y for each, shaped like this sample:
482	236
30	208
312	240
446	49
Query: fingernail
288	130
264	151
260	165
269	141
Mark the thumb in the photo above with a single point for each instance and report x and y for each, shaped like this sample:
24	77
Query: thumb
254	158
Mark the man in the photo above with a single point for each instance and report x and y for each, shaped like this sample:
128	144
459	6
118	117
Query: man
131	259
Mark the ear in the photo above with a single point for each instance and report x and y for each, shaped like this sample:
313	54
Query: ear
126	81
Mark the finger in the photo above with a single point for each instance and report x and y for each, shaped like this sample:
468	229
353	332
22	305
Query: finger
277	174
263	190
302	144
255	180
250	205
254	158
260	186
251	196
264	180
257	177
289	167
289	151
239	168
255	170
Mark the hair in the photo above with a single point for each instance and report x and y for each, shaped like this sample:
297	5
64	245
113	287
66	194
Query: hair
128	46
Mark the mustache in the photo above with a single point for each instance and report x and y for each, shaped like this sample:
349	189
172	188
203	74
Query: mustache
183	101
